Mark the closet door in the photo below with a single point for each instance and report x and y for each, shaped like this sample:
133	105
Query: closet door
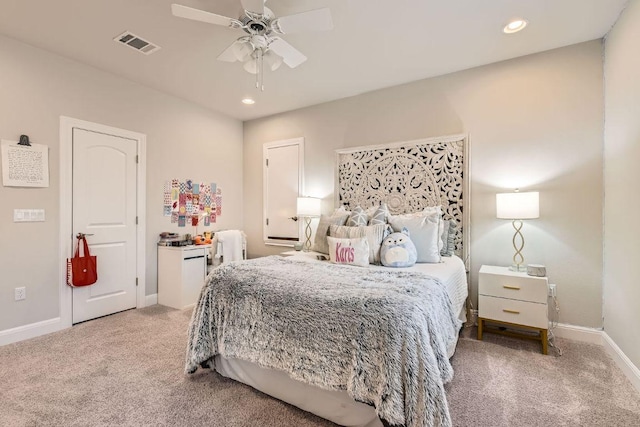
283	183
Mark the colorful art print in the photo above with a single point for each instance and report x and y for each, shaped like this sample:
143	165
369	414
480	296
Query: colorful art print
207	221
188	199
194	220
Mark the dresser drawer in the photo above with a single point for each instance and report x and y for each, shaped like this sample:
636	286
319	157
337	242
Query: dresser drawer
513	311
524	288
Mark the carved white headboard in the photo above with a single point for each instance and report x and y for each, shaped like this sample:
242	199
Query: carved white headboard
409	176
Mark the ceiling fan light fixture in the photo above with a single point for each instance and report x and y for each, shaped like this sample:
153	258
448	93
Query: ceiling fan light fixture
272	60
242	50
515	25
251	66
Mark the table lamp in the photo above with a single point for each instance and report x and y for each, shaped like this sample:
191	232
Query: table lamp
516	207
307	208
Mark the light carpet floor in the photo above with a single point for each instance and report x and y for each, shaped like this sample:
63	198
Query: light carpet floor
127	370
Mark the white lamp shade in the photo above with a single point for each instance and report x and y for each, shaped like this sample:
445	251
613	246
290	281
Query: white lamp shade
308	206
518	205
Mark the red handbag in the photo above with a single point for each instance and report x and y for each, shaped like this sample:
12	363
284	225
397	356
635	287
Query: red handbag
82	270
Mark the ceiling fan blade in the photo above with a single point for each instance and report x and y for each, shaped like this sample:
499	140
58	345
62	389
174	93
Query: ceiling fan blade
313	20
202	16
290	55
255	6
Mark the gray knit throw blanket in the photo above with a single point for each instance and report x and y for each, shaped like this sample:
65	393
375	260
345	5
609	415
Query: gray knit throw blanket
380	335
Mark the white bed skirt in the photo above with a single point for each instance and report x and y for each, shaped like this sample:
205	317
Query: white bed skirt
334	406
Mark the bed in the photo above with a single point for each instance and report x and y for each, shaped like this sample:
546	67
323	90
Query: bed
360	346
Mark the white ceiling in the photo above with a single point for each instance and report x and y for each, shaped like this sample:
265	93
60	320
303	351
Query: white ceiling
374	44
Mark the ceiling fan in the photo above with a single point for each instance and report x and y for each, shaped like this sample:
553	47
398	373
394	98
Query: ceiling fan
262	44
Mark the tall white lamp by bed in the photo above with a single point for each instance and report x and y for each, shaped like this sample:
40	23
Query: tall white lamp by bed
307	208
517	206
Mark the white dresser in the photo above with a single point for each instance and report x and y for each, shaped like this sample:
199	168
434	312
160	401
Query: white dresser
181	274
513	300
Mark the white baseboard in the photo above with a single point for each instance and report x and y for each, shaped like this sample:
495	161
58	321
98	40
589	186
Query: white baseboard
600	337
151	300
578	333
624	363
31	330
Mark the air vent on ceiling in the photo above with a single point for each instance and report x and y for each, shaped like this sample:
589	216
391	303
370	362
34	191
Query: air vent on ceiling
137	43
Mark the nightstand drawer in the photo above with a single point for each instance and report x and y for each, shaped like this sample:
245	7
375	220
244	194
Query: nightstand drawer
513	311
522	287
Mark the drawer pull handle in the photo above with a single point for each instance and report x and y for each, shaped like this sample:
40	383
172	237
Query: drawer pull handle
515	288
510	311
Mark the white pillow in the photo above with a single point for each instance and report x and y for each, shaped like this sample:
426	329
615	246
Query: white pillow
429	210
375	234
320	241
349	251
424	230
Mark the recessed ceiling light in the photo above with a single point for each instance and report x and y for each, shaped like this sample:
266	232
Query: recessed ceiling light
514	26
248	101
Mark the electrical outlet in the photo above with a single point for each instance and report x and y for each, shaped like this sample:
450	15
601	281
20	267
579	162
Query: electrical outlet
552	290
20	293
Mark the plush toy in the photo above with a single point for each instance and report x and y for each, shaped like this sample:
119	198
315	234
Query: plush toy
398	250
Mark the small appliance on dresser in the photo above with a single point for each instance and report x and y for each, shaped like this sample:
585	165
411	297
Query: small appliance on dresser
513	300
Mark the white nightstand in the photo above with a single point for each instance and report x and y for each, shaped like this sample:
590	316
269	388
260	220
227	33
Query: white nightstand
513	300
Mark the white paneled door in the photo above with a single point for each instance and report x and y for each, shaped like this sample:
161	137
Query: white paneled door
283	181
104	208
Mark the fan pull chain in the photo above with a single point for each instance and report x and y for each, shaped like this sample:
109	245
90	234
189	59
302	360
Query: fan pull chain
261	69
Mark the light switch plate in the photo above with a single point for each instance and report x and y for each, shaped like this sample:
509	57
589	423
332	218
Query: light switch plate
28	215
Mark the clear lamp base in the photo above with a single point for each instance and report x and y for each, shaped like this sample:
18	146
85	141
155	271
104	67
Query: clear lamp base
518	267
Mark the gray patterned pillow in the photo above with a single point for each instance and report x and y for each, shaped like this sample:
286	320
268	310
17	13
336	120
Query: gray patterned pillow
380	215
448	237
358	217
375	234
320	243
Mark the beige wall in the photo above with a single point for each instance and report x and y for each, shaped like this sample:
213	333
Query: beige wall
535	122
621	182
183	141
